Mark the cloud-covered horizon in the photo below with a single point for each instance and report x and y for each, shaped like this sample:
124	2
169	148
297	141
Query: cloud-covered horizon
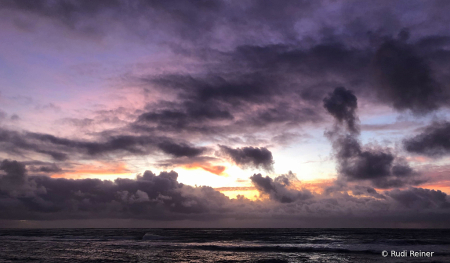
269	100
161	197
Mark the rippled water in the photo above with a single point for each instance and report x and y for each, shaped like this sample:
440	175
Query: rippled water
220	245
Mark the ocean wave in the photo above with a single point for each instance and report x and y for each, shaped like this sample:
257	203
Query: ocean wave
150	236
374	249
67	238
281	249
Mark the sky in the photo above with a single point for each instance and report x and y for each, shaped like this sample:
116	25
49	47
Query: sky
224	113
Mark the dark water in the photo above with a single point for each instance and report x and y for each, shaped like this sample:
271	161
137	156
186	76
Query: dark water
220	245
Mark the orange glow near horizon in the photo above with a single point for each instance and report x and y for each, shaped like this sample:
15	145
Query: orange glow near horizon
101	170
232	192
443	188
214	169
108	171
315	186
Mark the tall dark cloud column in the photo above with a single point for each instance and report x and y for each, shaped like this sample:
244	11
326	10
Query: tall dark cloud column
356	163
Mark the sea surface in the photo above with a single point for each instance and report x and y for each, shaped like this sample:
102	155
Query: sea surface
221	245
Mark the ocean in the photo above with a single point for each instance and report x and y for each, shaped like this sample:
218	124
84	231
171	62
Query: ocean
223	245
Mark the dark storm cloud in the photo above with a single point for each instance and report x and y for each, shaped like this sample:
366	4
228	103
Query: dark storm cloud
181	118
406	79
279	86
149	196
130	144
259	85
60	148
434	141
162	197
179	150
255	73
186	116
355	162
419	198
342	104
250	157
321	55
277	189
123	142
254	85
15	172
223	105
377	165
218	87
12	142
226	101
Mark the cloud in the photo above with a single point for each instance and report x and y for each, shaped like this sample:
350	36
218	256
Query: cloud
218	92
186	116
434	141
277	189
355	162
250	157
148	196
321	58
15	117
161	197
419	198
190	21
278	86
286	179
364	190
399	125
342	104
58	156
179	150
214	169
226	101
249	87
284	114
131	144
66	13
406	79
207	163
377	165
51	168
15	172
81	123
61	148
